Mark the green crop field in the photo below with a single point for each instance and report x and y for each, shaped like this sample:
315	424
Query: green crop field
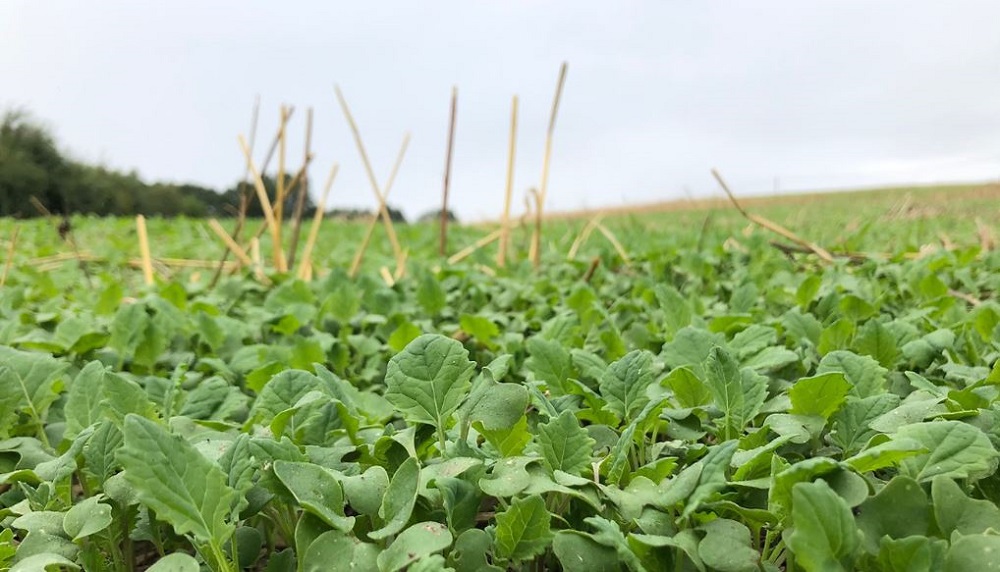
672	388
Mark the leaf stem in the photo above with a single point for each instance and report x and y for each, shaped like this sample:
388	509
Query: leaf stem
220	557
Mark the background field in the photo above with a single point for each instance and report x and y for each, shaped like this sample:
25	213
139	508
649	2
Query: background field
888	221
689	391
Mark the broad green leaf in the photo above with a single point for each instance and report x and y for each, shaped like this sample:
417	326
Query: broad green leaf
689	391
977	553
819	395
429	294
171	477
124	396
83	403
876	341
176	562
887	454
508	442
509	477
214	399
676	309
739	394
550	363
804	329
956	512
780	495
237	464
523	529
282	392
912	554
316	490
640	493
47	521
403	335
461	500
823	537
618	458
922	352
564	444
690	348
498	405
399	499
624	384
335	551
364	492
770	359
726	547
470	552
343	302
865	375
44	561
607	533
579	552
430	563
899	510
87	517
851	422
808	289
917	406
428	380
28	381
855	308
480	328
99	459
835	337
712	477
420	540
955	450
248	543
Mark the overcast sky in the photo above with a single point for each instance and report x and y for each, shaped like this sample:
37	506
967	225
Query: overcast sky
818	94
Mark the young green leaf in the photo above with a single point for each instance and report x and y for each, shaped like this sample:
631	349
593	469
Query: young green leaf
726	547
523	529
420	540
28	382
83	402
171	477
579	552
851	422
955	449
335	551
739	394
399	500
87	517
899	510
819	395
316	490
550	363
43	561
564	444
955	512
237	463
912	554
176	562
428	380
977	553
470	552
824	537
865	375
876	341
364	492
624	384
712	477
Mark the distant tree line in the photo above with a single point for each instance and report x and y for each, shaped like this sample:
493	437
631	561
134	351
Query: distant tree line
31	165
